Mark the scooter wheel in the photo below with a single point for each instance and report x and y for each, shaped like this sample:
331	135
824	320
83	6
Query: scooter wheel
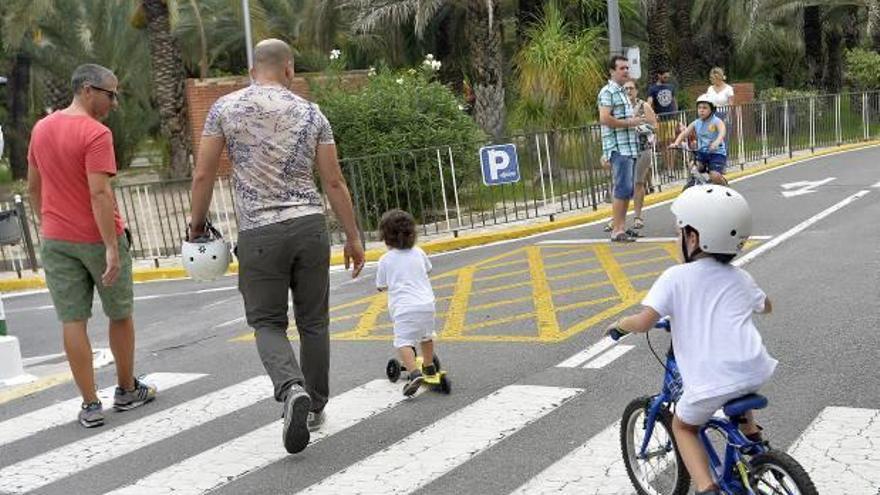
392	370
445	385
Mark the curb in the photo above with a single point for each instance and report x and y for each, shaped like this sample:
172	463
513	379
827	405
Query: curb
465	241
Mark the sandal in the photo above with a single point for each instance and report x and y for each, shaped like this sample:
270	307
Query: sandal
622	237
633	233
638	223
609	226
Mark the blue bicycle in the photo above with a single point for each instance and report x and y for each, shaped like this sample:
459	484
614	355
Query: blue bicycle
655	467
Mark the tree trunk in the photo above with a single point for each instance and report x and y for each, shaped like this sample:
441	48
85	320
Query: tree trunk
169	80
687	66
58	95
812	31
852	28
833	76
657	14
19	131
487	71
874	23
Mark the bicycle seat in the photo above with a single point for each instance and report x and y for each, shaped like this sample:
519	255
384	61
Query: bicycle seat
738	407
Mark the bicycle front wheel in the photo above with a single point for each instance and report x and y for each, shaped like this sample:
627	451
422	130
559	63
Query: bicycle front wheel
661	471
777	472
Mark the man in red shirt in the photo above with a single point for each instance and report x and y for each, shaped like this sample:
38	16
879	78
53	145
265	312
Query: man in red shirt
84	246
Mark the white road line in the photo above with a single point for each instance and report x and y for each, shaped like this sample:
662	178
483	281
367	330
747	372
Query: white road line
435	450
840	451
594	468
246	454
589	353
767	246
608	357
230	322
60	463
876	186
65	412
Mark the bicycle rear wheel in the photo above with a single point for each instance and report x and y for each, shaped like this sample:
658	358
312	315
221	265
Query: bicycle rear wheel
662	472
777	472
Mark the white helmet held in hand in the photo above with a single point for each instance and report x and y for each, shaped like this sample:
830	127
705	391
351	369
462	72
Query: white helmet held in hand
206	257
721	215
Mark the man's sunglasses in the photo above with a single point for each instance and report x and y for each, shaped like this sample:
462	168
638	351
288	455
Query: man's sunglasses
114	96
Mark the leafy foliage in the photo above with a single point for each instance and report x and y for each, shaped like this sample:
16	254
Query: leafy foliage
863	69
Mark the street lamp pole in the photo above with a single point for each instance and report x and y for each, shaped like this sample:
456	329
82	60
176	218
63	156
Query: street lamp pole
246	13
615	45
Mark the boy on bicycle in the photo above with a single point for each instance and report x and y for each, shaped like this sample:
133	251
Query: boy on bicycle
710	132
718	348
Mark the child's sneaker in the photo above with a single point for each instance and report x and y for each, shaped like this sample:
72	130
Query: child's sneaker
414	382
123	400
429	370
91	414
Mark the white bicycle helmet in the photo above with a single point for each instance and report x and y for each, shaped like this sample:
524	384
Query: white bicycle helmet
704	98
721	215
207	257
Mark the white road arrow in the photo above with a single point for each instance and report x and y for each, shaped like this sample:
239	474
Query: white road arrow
793	189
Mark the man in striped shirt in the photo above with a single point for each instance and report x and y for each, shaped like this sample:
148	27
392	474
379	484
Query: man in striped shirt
620	142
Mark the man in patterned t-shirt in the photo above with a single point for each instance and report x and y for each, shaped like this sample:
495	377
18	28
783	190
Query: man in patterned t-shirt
275	139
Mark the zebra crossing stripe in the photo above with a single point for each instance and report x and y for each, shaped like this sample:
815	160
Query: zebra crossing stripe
437	449
62	462
839	451
246	454
594	468
64	412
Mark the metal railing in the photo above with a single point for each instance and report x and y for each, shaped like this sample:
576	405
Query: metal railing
560	169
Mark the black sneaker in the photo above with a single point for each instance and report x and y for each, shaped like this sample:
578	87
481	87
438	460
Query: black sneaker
91	415
414	382
123	400
295	433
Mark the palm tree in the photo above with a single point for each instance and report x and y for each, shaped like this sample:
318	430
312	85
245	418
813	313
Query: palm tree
169	80
483	40
657	27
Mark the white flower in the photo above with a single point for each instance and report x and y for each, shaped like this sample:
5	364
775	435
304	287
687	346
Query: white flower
461	107
372	71
399	80
411	72
435	65
429	57
334	54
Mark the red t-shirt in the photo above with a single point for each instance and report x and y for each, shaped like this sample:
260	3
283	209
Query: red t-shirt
65	149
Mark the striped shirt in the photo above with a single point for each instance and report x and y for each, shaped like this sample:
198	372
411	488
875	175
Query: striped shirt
622	140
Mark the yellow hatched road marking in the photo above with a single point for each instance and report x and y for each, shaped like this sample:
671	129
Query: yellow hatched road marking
615	273
457	312
548	327
368	319
584	304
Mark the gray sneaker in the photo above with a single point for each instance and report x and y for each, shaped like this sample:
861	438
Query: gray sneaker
295	433
123	400
316	420
413	384
91	414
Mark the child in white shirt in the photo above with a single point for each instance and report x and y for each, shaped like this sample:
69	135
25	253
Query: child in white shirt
718	349
403	272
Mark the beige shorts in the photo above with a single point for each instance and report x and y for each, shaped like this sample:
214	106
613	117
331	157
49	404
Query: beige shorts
643	167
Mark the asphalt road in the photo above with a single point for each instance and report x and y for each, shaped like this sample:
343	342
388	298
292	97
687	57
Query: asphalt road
823	282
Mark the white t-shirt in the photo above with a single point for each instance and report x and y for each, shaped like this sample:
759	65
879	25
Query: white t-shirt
717	347
404	272
721	98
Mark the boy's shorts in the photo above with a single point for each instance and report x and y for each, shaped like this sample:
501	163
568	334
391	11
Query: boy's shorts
74	270
715	162
412	328
698	413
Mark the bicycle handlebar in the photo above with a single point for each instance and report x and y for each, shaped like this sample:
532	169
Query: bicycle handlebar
662	323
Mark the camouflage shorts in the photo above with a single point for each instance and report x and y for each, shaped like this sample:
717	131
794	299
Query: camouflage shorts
73	270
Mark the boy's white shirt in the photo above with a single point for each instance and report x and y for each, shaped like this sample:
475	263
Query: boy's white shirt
404	273
717	346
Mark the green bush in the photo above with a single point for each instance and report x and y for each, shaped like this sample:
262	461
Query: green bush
862	69
378	126
779	94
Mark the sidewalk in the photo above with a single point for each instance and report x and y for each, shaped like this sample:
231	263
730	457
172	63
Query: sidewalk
170	268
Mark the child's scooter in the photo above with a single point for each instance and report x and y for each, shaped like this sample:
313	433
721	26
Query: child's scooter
437	381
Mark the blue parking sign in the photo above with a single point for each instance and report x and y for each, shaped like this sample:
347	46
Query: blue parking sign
500	164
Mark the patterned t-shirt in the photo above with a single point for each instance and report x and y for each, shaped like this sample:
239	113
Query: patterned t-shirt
623	140
272	137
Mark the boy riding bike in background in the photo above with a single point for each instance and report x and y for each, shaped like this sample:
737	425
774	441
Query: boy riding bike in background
719	351
710	132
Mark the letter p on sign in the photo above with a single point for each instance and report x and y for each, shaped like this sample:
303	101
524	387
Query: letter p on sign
500	164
